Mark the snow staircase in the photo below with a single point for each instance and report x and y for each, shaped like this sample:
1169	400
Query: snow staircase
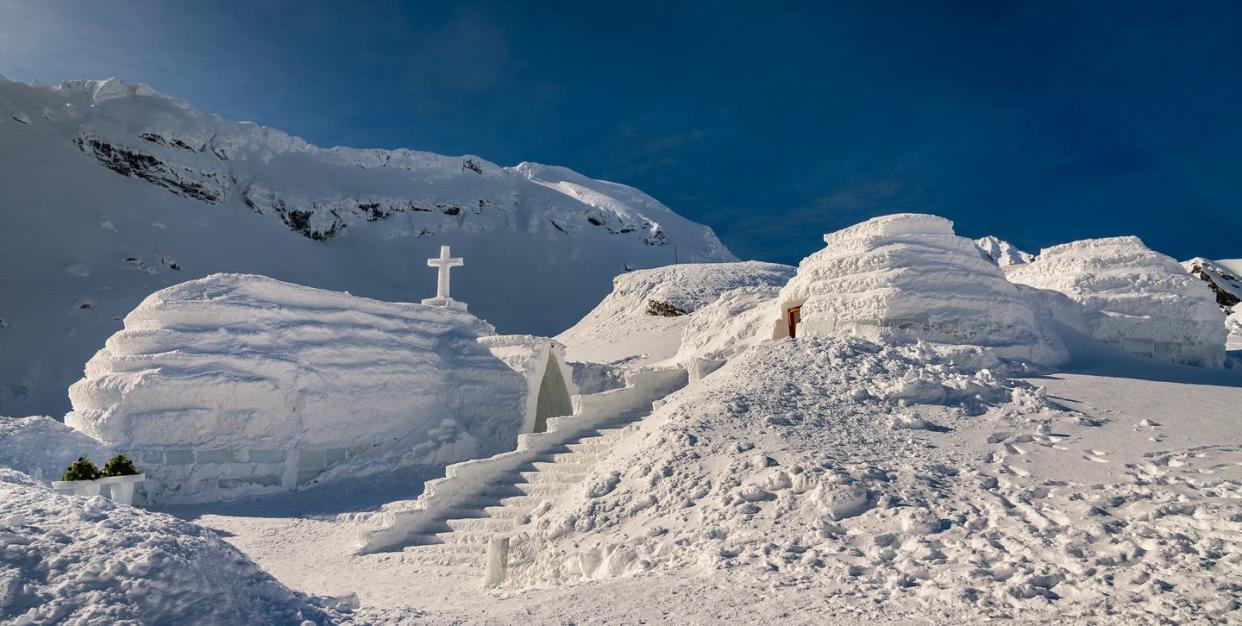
457	516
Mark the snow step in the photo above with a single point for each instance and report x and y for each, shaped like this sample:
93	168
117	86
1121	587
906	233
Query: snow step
516	513
481	524
554	475
463	513
593	447
585	458
457	547
543	489
477	540
502	489
544	466
524	502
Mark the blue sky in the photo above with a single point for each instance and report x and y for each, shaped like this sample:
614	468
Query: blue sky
771	122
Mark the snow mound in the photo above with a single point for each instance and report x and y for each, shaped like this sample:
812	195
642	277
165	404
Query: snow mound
761	461
908	277
1003	252
641	321
235	383
44	447
70	560
1137	299
737	320
844	468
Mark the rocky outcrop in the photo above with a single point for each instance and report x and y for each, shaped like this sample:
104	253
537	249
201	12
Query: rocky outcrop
1224	284
209	186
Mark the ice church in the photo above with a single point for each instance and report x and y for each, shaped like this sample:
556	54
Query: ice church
239	384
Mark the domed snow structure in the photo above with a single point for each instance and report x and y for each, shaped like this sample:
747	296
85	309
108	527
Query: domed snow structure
909	277
235	384
1135	298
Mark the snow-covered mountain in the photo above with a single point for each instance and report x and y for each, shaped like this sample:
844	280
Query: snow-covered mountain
1003	252
110	191
1224	278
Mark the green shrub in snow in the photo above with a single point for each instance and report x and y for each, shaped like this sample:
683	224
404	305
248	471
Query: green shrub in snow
81	469
120	465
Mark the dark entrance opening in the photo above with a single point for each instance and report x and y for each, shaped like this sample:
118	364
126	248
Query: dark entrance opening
553	400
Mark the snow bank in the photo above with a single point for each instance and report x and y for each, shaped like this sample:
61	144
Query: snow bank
1137	299
855	472
908	277
69	560
737	320
640	322
1003	252
44	447
237	383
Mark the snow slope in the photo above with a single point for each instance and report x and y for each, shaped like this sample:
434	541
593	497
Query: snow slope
868	474
235	383
624	327
1136	298
87	561
109	192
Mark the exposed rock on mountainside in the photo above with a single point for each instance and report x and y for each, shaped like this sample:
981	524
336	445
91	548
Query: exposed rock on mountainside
1224	283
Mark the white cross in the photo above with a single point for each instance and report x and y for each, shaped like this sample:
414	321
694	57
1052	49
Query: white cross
444	262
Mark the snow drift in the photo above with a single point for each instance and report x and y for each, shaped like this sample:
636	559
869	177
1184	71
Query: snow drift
1135	298
113	191
70	560
641	320
237	383
43	447
908	277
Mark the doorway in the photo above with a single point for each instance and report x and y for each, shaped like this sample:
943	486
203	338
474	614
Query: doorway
793	316
553	400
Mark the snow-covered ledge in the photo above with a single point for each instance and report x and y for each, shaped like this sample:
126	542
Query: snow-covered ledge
120	488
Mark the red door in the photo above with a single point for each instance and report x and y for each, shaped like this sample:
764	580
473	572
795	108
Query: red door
794	315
